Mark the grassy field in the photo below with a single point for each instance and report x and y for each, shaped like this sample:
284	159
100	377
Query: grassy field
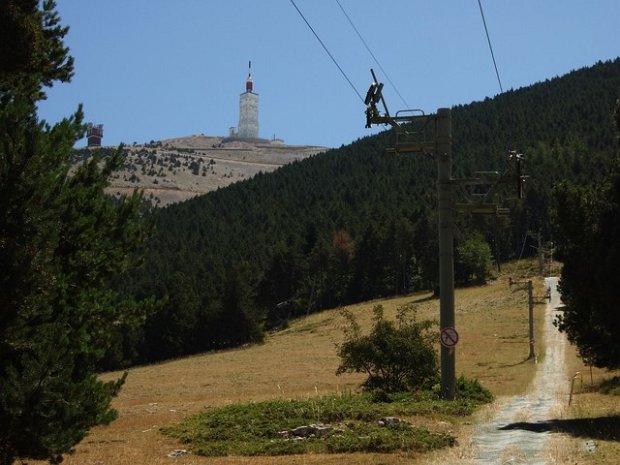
300	363
591	417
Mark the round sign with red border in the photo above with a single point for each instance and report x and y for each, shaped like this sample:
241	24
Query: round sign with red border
449	337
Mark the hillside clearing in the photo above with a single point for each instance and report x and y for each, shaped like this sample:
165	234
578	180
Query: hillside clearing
300	363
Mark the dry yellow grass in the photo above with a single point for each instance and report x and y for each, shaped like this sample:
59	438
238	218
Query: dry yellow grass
586	403
301	362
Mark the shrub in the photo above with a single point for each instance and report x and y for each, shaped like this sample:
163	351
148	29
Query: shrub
611	386
471	389
396	356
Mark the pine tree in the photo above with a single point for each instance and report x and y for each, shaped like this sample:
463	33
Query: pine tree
588	228
62	241
588	221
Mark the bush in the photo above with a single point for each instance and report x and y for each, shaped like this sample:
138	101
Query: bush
471	389
396	356
611	386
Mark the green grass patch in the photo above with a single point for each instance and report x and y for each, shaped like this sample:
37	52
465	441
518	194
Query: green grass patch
253	429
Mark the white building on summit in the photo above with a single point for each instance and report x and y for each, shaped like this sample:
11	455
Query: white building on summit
248	110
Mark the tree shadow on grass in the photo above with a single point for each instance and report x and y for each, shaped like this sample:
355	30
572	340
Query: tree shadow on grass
602	428
511	365
424	298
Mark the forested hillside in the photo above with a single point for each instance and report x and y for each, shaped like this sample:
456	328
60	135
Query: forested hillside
359	222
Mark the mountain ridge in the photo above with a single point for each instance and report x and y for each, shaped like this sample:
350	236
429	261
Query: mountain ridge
177	169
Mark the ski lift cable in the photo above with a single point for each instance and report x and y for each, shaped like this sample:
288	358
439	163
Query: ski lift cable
327	51
486	30
370	52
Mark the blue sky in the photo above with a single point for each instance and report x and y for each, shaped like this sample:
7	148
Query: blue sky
157	69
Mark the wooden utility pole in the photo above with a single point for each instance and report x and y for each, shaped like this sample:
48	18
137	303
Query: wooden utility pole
445	189
530	303
541	255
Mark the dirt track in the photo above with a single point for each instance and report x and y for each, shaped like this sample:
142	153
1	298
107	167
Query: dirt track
513	435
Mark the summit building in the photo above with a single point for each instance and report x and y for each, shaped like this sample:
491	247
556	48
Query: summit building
248	110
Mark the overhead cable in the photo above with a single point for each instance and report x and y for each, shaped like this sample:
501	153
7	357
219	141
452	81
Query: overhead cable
327	51
371	54
490	46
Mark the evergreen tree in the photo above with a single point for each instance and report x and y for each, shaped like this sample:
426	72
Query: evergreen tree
617	114
238	321
472	261
32	53
588	222
278	288
588	228
62	241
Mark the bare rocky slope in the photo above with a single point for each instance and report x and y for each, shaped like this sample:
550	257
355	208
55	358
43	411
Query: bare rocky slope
175	170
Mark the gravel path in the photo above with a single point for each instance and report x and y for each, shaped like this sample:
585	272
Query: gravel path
499	442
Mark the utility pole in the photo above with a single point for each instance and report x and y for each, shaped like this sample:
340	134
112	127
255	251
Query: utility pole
541	255
432	134
530	306
530	303
445	189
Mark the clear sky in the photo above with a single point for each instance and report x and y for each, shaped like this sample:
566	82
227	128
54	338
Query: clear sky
157	69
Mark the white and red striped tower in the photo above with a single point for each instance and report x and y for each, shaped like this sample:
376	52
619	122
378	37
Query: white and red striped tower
248	110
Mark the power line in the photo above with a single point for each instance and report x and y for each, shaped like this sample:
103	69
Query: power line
490	46
327	51
371	54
